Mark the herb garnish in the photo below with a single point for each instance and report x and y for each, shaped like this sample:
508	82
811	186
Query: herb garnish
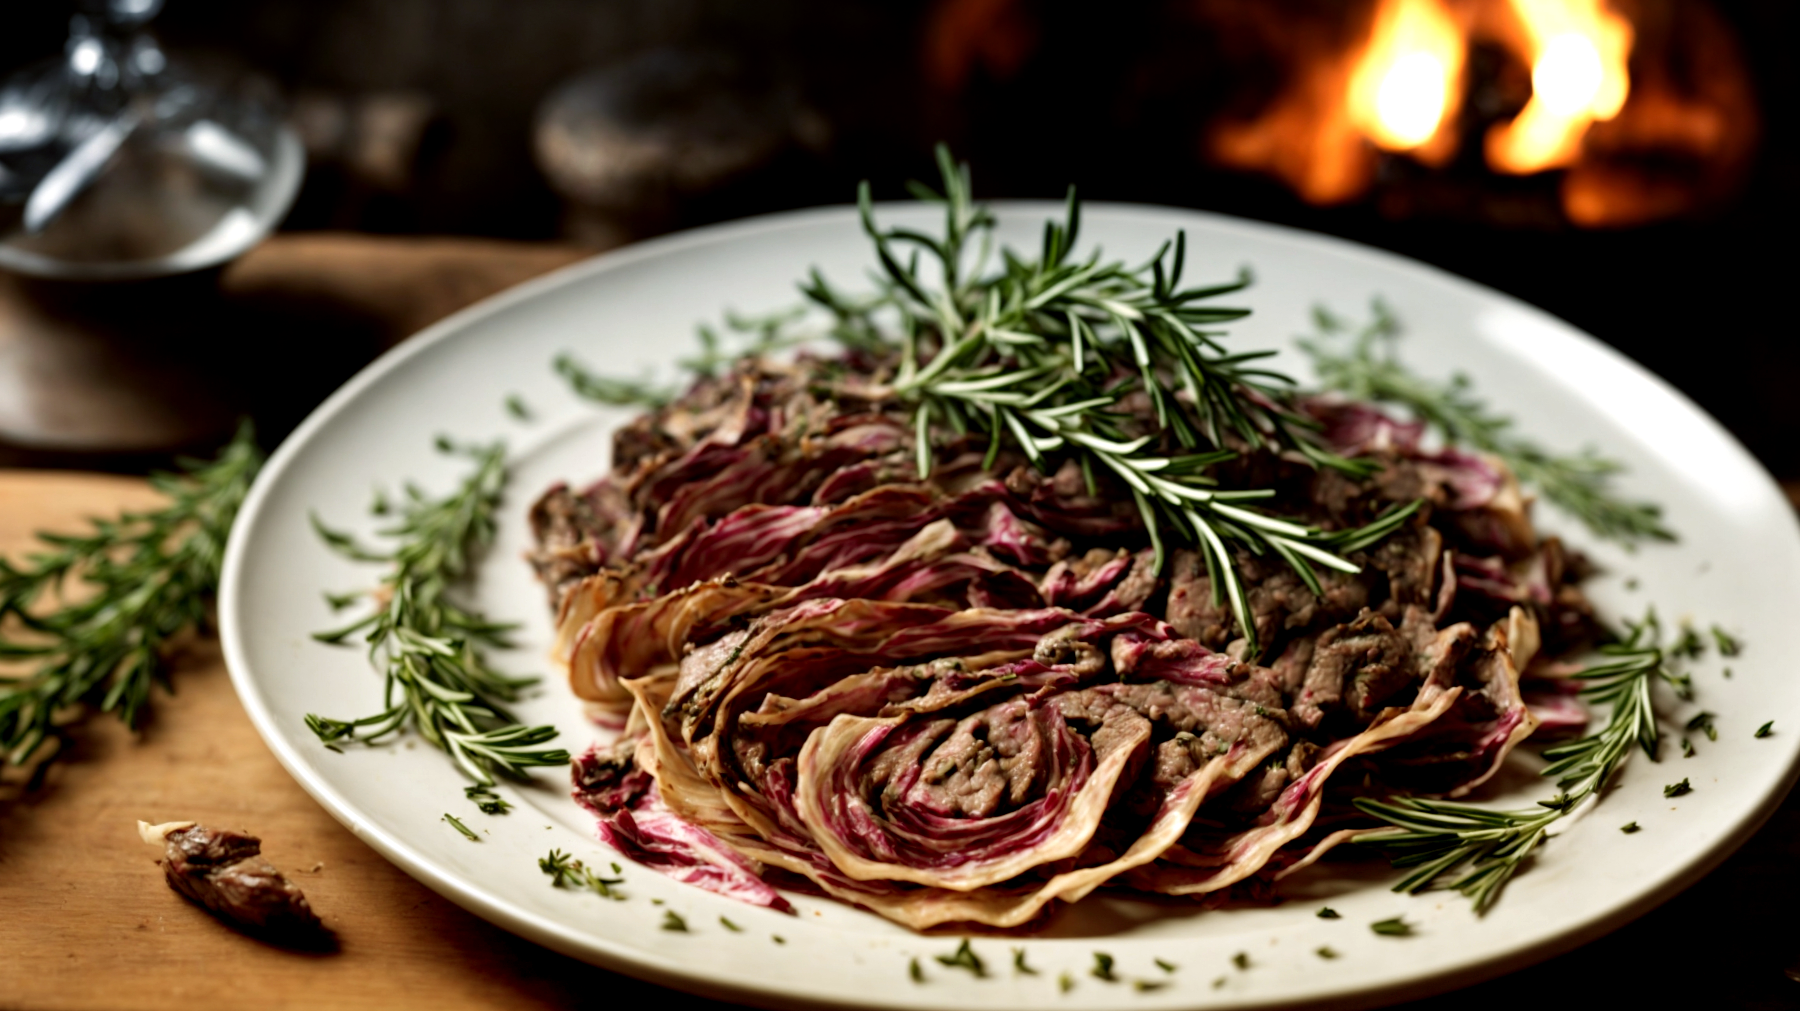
1728	645
1039	353
515	406
1241	960
460	827
728	925
144	579
1441	838
672	921
1065	983
1146	985
1019	965
1329	913
430	649
1103	967
1703	722
915	971
1368	370
1395	927
567	872
1327	953
1766	729
1164	966
964	957
1629	827
486	799
1680	789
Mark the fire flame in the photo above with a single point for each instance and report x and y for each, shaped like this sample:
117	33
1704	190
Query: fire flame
1409	76
1577	50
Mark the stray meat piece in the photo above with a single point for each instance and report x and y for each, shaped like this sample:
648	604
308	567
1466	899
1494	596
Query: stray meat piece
225	872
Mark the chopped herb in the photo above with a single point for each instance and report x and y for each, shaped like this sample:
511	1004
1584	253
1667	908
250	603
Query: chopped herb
1329	913
1687	748
1728	645
916	971
777	938
1688	644
1395	927
1241	960
1677	789
1103	967
1728	673
1065	983
1327	953
616	869
1019	965
339	601
673	921
1164	966
515	406
728	925
460	827
567	872
1219	984
964	958
1704	723
486	799
1145	985
656	902
1629	827
1766	729
1632	583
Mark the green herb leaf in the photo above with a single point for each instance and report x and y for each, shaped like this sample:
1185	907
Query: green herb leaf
916	971
728	925
1704	723
1329	913
964	957
468	833
1164	966
1019	965
1065	983
1241	960
486	799
1728	645
672	921
1327	953
94	614
1629	827
515	406
1766	729
1677	789
1395	927
1103	967
567	872
1146	985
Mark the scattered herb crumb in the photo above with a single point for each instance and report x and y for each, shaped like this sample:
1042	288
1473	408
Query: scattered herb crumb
1632	583
916	971
1766	729
515	406
1677	789
1728	644
1630	827
566	872
1065	983
1219	984
1395	927
614	865
1689	644
673	921
1327	953
728	925
1019	965
1329	913
964	957
1728	673
1241	960
777	938
1145	985
656	902
460	827
1103	967
1703	722
1687	748
487	800
1164	966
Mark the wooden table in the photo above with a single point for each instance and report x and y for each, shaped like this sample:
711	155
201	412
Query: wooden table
87	922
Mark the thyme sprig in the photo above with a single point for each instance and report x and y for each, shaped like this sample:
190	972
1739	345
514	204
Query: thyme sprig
1475	850
430	649
1361	364
1041	352
95	613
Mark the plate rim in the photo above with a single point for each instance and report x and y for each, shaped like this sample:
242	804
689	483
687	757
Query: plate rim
693	979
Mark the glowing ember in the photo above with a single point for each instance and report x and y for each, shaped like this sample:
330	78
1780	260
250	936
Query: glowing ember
1409	75
1577	50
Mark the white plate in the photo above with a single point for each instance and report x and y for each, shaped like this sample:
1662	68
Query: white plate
631	312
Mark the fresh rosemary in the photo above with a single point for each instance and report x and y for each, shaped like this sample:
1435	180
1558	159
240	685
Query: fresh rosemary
1040	352
431	649
95	613
565	871
1478	850
1365	368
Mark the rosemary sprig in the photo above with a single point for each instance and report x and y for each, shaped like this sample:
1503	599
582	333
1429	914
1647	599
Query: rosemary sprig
95	612
1366	369
1479	850
429	648
567	872
1041	352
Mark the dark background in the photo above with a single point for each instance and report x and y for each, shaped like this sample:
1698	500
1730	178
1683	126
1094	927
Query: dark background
1114	102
